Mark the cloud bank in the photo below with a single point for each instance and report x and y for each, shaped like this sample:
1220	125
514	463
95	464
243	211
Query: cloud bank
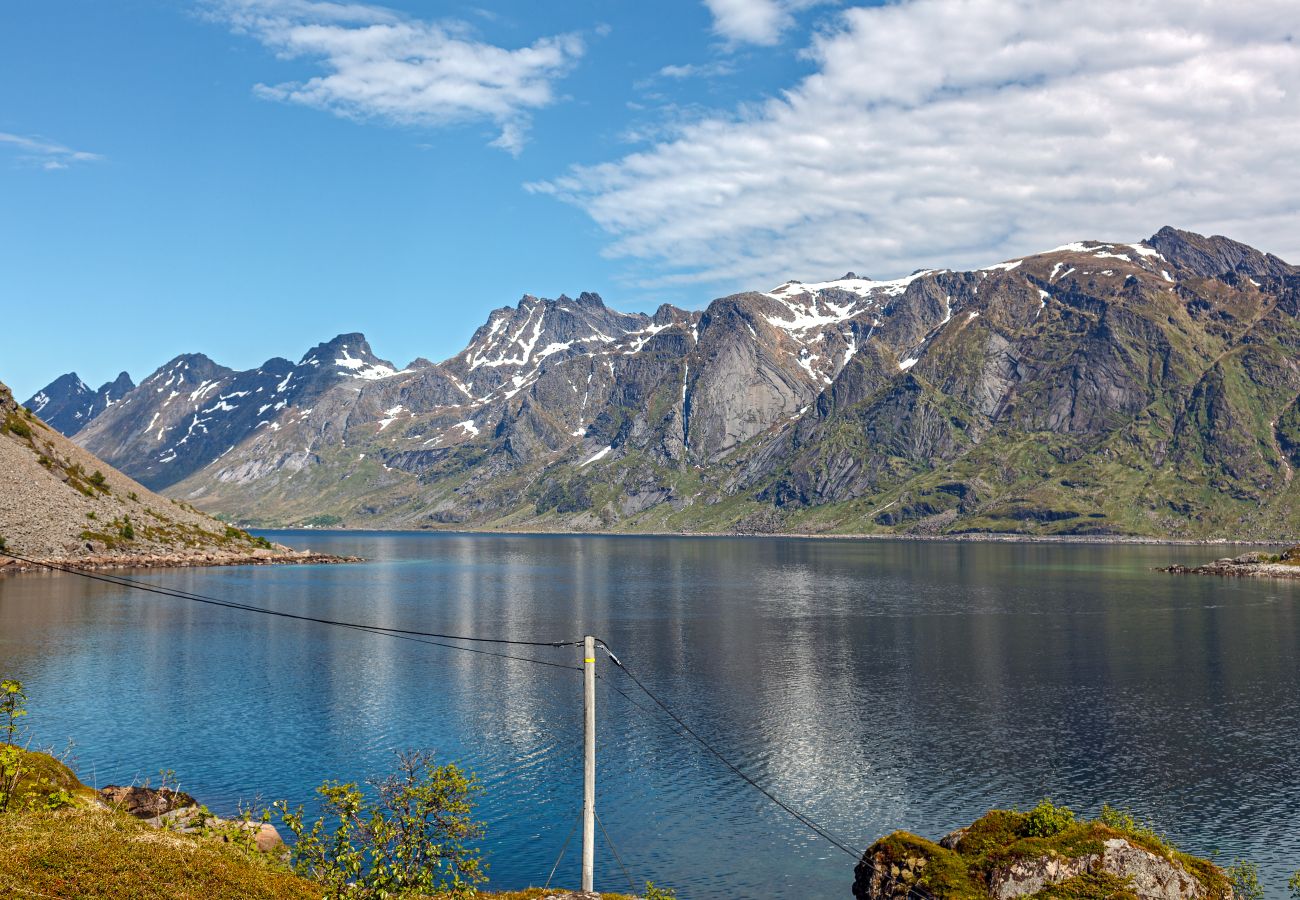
379	64
953	132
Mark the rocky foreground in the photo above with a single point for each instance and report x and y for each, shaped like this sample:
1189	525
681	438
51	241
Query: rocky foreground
1249	565
1044	853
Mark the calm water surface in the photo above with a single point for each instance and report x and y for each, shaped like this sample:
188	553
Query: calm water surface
875	685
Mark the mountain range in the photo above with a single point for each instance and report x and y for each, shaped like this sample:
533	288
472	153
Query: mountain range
1098	388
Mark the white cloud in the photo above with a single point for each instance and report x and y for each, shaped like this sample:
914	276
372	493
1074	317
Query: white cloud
754	21
959	132
46	154
697	70
380	64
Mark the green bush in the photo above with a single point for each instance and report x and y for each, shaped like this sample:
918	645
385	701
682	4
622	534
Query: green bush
1047	819
1293	884
1244	877
411	837
127	531
13	706
16	425
1123	820
658	893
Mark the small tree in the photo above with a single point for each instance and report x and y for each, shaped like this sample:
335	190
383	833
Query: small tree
411	837
1294	884
1244	877
13	706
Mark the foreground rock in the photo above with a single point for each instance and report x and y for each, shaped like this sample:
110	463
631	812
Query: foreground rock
1249	565
177	811
1043	853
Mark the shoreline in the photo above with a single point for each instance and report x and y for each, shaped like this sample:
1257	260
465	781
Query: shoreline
968	537
153	561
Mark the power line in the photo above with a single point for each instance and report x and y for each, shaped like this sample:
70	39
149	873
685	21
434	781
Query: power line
231	604
424	637
807	822
820	831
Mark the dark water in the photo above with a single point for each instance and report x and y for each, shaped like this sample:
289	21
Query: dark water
874	685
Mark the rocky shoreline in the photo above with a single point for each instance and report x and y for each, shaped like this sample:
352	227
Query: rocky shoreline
1248	565
209	558
972	537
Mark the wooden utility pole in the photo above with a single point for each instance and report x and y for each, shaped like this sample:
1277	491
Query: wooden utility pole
589	765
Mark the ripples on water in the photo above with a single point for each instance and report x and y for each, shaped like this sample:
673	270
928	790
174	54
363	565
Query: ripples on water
874	685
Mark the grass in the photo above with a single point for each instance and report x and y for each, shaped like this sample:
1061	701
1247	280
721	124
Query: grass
91	852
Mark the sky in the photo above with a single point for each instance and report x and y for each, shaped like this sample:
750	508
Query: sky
247	178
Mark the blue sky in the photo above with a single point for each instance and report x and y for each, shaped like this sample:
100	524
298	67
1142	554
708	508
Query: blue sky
246	178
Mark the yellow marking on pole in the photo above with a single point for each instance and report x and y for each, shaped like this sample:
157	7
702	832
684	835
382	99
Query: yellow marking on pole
590	660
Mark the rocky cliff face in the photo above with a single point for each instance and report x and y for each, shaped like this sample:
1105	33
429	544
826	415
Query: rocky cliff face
1096	388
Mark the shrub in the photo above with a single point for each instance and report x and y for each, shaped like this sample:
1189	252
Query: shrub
1123	820
15	425
1294	885
127	531
13	706
1244	877
97	479
411	839
658	893
1047	819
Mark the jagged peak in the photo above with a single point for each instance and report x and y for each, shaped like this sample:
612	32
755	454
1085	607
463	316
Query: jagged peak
1214	255
348	355
121	384
67	381
185	363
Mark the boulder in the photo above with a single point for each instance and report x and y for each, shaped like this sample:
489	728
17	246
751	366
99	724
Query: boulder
1006	855
145	802
177	811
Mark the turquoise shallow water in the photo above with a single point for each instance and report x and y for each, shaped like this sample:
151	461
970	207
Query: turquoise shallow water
874	685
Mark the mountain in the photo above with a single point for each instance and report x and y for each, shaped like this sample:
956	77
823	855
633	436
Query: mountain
67	405
59	503
1142	388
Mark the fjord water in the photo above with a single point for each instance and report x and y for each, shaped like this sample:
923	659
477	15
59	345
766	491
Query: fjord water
873	685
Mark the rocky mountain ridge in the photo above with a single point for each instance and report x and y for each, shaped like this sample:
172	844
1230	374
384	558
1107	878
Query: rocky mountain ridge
1097	388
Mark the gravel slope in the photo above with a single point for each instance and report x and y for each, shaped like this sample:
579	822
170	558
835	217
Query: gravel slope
60	503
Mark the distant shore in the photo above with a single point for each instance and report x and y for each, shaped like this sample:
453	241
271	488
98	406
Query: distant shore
968	537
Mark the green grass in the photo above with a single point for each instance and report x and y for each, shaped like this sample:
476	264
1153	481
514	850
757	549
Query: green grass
91	852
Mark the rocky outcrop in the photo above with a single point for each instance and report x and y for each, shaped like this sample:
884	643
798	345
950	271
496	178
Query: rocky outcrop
1249	565
175	810
1041	854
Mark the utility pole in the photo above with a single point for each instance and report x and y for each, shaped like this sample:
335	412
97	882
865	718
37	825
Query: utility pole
589	765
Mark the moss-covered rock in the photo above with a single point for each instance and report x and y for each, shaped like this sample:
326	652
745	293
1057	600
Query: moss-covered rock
1043	853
